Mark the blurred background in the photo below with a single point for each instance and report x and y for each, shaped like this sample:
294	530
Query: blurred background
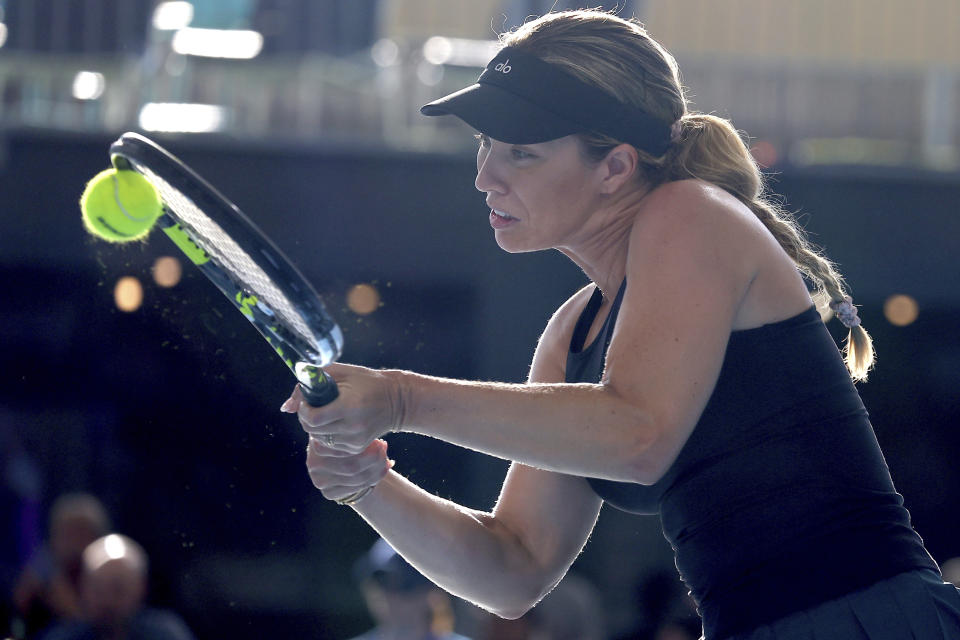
125	375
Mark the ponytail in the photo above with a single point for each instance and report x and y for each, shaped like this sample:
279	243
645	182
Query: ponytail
709	148
620	57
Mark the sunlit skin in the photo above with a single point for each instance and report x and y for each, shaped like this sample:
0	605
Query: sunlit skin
542	188
552	197
698	264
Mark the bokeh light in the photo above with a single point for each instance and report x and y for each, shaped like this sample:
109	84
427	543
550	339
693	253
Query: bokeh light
429	74
88	85
764	153
128	294
182	117
385	52
363	299
167	271
114	546
900	310
171	16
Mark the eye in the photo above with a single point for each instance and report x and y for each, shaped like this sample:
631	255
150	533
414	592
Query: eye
520	153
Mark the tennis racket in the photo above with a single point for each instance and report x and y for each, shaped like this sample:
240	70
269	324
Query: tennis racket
242	262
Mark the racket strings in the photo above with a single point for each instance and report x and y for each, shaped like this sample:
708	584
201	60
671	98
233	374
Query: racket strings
261	292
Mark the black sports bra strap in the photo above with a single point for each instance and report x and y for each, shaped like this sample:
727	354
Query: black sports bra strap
612	319
582	328
585	320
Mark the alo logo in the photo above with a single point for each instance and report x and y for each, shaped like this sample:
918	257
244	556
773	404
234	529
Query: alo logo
504	67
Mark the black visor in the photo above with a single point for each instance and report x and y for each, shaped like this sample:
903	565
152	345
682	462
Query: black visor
520	99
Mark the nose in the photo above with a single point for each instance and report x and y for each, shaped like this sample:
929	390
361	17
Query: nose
488	178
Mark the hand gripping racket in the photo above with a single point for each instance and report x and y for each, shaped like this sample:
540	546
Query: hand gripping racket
242	262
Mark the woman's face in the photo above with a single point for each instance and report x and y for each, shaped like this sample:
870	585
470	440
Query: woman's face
540	195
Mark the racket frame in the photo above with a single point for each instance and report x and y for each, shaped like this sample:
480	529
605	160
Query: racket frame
135	152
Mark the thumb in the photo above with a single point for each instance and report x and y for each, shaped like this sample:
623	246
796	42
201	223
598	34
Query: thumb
292	404
378	446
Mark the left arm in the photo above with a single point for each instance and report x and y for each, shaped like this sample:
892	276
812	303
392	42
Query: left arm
689	265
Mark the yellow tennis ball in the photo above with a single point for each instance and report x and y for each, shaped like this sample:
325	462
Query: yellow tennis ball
119	206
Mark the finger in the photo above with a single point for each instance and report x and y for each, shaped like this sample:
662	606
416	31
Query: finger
346	444
336	371
339	370
360	472
323	478
335	487
316	446
320	447
343	463
343	434
292	404
330	467
323	454
317	417
379	445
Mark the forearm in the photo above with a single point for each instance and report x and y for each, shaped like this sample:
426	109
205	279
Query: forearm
466	552
578	429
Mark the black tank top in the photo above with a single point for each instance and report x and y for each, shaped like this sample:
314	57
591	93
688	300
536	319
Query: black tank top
780	499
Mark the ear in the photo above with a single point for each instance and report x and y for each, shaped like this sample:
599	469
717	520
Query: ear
618	168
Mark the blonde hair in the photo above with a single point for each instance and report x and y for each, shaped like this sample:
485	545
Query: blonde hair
621	58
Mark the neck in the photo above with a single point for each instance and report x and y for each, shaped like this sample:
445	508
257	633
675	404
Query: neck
601	251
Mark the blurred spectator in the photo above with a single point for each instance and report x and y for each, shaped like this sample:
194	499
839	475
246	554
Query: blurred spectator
20	529
951	571
113	595
665	611
678	629
404	604
48	588
572	611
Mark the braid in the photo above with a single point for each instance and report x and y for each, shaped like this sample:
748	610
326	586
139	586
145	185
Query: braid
704	146
828	281
712	150
859	346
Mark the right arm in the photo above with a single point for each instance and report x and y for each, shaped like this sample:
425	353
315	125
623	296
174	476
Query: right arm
505	560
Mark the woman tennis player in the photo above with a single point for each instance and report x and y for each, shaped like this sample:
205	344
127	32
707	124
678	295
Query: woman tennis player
693	379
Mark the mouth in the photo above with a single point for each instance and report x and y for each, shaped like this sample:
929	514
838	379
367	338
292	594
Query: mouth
500	220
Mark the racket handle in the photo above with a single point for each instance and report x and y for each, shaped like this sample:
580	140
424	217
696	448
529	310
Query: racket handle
317	387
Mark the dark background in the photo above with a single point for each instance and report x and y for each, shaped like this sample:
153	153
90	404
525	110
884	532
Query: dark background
170	414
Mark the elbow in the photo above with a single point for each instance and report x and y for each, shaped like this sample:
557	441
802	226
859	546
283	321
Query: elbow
511	613
638	470
524	595
645	459
637	435
645	472
518	606
520	577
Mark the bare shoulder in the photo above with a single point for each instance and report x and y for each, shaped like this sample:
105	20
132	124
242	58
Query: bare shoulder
549	361
697	220
700	231
685	201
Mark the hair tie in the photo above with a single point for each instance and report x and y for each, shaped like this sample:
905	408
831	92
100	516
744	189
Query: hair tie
845	311
675	130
